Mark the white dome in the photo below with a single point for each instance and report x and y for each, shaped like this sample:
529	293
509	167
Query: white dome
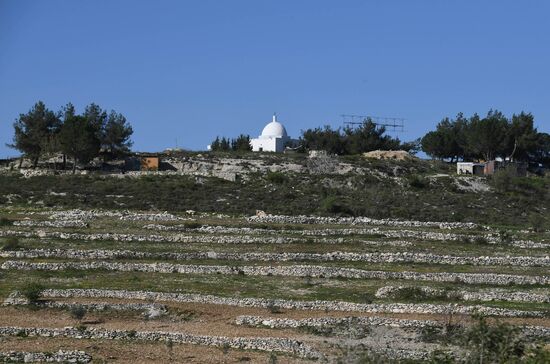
274	129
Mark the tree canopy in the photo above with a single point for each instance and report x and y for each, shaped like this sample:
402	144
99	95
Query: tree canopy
241	143
487	138
79	140
365	138
34	131
83	137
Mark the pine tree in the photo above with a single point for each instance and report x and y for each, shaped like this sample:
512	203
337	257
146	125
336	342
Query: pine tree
34	130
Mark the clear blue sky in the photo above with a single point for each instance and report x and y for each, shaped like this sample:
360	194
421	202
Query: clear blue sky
192	70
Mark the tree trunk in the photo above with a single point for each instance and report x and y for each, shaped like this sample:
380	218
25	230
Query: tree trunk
74	165
64	161
35	162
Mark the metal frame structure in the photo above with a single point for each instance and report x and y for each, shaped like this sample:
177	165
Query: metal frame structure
395	124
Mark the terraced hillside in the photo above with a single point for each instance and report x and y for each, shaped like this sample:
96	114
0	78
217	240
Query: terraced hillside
129	286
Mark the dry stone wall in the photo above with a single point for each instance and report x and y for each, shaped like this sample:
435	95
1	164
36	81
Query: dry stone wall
54	224
541	332
233	239
303	219
87	215
61	356
423	308
283	323
485	295
400	257
150	310
261	343
293	271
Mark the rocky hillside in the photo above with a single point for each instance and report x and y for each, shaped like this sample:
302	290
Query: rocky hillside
292	184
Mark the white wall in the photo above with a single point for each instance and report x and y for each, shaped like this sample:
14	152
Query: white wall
264	144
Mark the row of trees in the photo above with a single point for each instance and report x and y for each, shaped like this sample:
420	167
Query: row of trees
487	138
42	132
365	138
241	143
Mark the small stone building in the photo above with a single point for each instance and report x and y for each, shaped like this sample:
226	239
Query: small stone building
471	168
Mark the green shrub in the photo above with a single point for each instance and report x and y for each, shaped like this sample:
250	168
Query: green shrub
367	298
12	243
505	237
497	343
503	180
192	225
32	292
417	181
413	294
78	312
4	221
334	205
276	177
481	240
537	222
449	334
273	308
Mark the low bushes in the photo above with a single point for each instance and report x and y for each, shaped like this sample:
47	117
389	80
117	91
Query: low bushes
335	205
4	221
32	292
415	197
417	181
276	177
78	312
11	244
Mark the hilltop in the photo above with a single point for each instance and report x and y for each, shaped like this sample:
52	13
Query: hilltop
242	183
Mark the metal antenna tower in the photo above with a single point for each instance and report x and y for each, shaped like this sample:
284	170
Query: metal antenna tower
394	125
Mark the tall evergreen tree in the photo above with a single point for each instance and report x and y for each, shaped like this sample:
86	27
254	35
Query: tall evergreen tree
215	145
78	139
34	131
116	135
522	137
487	137
327	139
97	118
433	144
241	143
225	144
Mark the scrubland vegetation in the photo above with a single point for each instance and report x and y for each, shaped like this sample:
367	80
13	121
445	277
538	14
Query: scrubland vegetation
418	190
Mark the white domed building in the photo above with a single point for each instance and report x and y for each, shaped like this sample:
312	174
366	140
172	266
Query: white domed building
273	139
